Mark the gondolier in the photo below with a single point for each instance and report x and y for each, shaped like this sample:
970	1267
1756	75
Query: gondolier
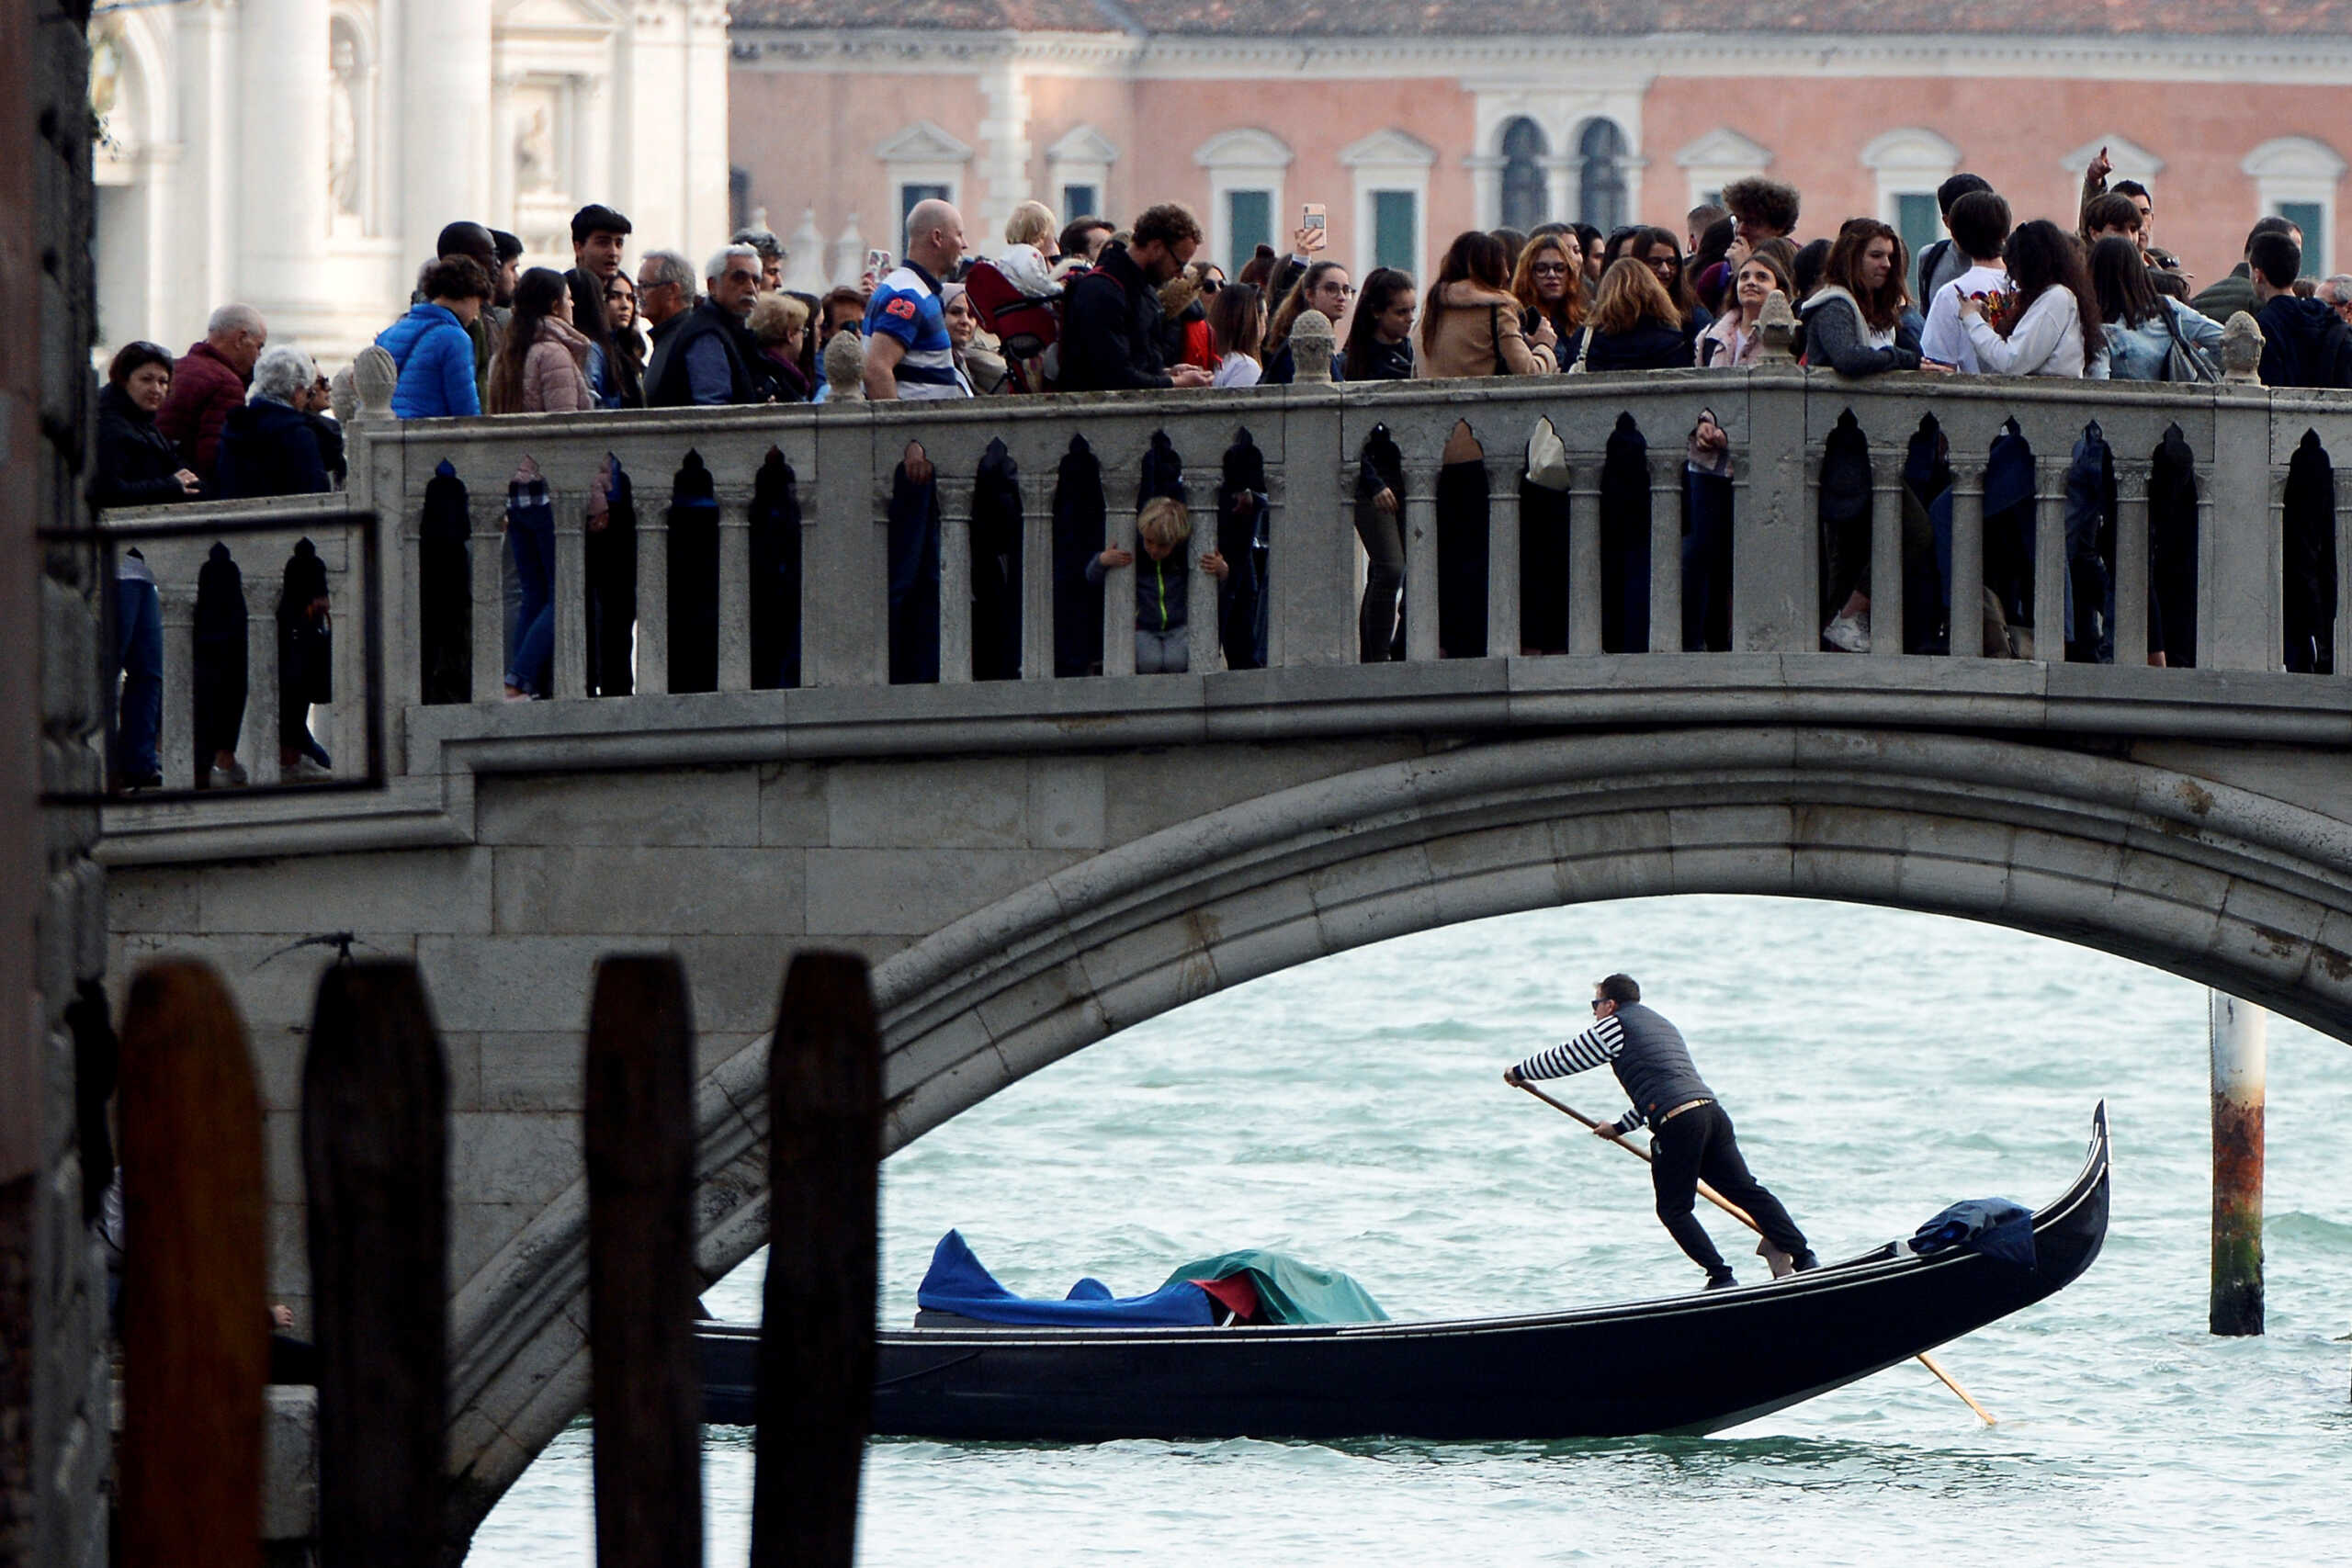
1694	1141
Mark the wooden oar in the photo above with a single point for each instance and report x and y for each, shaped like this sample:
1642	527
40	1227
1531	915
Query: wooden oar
1737	1212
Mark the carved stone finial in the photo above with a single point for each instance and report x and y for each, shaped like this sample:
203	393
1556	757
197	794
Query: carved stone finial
845	368
2242	351
373	376
1777	328
1311	340
343	397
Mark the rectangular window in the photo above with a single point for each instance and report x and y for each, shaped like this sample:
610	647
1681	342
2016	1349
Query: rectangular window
1918	220
1249	223
1394	220
909	195
1078	201
2311	219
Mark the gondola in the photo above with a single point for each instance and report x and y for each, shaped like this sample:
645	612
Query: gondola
1692	1363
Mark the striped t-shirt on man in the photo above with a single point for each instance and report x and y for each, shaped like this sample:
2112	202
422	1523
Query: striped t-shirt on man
906	305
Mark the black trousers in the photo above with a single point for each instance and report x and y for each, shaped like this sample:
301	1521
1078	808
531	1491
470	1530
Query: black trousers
1699	1146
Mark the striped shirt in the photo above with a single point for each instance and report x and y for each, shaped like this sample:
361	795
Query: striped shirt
906	305
1596	1047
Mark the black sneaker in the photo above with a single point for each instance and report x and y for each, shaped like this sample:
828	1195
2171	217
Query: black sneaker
1802	1261
1723	1281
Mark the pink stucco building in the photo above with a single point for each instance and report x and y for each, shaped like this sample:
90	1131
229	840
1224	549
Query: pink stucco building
1412	119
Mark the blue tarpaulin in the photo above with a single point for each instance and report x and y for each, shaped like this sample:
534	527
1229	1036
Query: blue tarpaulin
958	1284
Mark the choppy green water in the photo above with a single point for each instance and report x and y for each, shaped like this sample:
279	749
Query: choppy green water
1879	1065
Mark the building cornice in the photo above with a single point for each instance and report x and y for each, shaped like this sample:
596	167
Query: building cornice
1541	60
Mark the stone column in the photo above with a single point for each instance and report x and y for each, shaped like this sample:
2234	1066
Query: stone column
1004	153
280	199
443	128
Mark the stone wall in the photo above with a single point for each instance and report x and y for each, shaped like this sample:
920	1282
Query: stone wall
53	1394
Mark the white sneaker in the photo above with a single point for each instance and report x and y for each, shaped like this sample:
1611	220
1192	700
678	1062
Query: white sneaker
305	770
230	777
1848	633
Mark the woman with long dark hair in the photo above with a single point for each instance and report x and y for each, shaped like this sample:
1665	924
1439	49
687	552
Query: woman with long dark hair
1634	324
1734	338
1549	283
1853	319
1470	322
541	366
1380	333
1589	243
1324	285
1659	250
2053	327
1237	327
625	342
2140	324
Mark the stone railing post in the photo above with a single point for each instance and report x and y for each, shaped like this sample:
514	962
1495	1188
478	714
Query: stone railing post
1774	545
1204	644
2131	629
2240	571
1777	327
1967	616
1886	555
1584	554
954	596
1312	572
1665	548
845	589
734	589
568	669
1506	466
2050	576
487	574
1311	345
1420	561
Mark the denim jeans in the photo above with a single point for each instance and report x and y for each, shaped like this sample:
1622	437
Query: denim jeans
139	655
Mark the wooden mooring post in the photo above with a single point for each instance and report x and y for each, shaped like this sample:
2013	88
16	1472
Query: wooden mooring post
195	1318
2241	1054
646	1379
815	1402
376	1170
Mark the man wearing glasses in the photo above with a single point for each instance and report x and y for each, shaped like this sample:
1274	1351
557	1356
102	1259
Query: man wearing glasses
1694	1138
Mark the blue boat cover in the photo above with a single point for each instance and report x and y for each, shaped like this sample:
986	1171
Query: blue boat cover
957	1283
1997	1228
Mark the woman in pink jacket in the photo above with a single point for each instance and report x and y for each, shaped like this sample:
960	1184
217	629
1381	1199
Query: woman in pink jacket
541	368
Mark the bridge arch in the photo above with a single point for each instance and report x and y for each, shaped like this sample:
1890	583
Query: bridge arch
2220	885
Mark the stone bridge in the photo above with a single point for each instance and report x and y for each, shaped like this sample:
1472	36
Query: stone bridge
1033	864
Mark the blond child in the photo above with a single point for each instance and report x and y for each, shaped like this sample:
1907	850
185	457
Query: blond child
1030	248
1162	585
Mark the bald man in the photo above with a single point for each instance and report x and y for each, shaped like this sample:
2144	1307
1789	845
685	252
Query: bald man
907	351
209	384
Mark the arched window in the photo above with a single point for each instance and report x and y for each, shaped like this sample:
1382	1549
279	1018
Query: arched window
1526	201
1601	189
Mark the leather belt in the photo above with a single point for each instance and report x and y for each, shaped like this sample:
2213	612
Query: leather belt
1686	1105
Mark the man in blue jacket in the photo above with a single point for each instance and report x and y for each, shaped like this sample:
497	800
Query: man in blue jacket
1694	1141
431	346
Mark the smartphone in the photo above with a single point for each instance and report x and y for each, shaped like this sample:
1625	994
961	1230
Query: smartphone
879	263
1311	216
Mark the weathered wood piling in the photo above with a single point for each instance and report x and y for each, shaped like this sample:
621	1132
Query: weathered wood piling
2241	1054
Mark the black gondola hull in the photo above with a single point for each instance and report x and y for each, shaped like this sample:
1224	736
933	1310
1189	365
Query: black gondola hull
1692	1363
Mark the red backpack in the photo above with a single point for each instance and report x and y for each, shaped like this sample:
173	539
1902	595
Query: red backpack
1023	327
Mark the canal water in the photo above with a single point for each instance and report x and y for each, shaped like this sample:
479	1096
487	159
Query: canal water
1879	1065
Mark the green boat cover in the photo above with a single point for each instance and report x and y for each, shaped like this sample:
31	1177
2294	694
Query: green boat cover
1288	1290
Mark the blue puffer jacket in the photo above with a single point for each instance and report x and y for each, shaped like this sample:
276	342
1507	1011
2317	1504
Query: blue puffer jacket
436	363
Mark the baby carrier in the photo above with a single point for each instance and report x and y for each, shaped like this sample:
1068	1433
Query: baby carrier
1024	327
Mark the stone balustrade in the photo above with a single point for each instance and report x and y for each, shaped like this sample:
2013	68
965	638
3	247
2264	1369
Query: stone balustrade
841	458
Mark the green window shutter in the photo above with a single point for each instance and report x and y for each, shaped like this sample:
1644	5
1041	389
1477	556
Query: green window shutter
1919	221
1249	223
1077	201
1393	224
2311	219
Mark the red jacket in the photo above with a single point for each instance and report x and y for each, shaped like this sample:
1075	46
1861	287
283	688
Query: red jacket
206	388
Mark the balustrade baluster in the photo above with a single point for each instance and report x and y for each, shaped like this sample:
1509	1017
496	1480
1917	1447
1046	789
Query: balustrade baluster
1038	574
955	598
258	738
1666	551
175	743
2241	563
1776	529
1503	566
2343	569
486	560
570	664
1204	650
2130	563
1886	553
734	591
2050	562
347	594
1967	614
1119	581
845	564
1420	561
1584	555
653	584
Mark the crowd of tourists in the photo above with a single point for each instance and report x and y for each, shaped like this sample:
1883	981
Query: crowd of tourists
1084	305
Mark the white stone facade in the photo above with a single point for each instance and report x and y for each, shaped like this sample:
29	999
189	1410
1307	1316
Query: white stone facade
302	155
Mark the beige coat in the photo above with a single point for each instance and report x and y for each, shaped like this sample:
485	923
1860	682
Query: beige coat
555	373
1475	331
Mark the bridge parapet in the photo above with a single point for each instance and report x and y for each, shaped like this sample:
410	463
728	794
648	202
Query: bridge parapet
783	574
